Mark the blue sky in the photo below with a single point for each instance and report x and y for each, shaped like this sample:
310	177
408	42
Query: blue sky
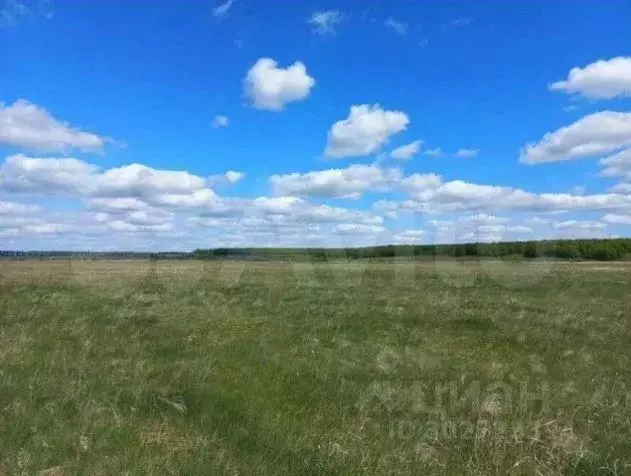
176	125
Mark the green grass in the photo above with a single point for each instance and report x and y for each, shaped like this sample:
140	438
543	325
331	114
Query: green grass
343	368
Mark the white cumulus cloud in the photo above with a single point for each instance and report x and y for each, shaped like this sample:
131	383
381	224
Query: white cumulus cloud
603	79
229	178
234	177
48	176
366	129
350	182
430	195
75	178
115	205
418	182
617	219
28	126
594	134
617	165
142	181
271	87
407	151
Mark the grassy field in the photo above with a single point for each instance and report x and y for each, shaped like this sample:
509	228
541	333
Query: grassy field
339	368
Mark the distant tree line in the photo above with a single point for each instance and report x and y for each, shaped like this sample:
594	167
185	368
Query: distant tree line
93	255
594	249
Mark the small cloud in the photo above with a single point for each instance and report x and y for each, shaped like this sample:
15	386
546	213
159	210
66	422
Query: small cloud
424	42
229	178
570	107
466	153
603	79
11	11
407	151
400	28
462	21
366	129
270	86
222	10
234	177
326	22
437	152
220	121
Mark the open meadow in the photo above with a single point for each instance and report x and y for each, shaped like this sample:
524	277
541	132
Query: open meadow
270	368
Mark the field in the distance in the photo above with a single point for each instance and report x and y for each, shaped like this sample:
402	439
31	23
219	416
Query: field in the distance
194	367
